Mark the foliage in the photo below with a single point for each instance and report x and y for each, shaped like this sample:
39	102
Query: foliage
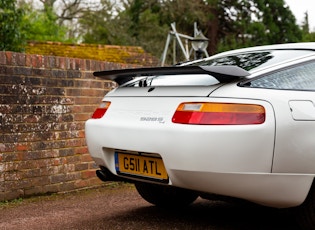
305	24
138	27
252	23
307	35
11	36
228	24
280	23
102	27
42	25
11	203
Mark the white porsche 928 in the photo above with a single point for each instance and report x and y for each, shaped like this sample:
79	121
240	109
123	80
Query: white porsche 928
238	124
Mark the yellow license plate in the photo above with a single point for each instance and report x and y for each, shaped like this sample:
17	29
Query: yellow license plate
140	166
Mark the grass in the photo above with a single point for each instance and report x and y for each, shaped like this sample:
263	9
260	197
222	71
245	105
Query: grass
11	203
54	196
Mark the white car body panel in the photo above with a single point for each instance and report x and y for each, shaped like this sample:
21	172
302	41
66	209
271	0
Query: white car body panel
271	164
294	142
269	189
170	91
302	110
228	160
158	137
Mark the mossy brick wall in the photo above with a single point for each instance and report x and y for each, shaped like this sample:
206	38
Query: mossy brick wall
117	54
44	103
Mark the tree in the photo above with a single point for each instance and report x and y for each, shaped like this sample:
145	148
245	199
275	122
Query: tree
305	24
228	24
141	23
106	25
11	36
42	25
58	13
242	23
279	22
307	35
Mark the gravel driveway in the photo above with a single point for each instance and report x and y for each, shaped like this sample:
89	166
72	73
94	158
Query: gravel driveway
118	206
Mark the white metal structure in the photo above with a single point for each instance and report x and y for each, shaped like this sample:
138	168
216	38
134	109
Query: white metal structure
177	39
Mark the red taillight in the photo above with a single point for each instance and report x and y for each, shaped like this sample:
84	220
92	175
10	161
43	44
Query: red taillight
101	110
208	113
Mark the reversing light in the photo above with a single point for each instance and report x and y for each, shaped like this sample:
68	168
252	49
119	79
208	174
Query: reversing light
209	113
101	110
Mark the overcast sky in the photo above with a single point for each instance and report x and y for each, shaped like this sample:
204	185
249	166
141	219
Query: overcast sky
299	7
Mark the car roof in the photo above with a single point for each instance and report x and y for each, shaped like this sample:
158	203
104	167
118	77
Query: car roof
301	46
287	46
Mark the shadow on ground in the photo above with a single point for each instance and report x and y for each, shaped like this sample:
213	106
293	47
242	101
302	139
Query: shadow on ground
203	214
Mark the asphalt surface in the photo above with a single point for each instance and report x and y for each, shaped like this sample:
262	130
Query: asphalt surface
118	206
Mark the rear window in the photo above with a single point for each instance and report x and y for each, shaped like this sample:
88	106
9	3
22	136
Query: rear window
258	59
249	61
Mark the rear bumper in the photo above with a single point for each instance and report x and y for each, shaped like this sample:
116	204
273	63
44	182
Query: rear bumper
268	189
240	172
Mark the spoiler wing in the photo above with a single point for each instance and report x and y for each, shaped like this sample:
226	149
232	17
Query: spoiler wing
223	73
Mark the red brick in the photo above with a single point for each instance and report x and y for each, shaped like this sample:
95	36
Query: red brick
81	150
37	61
81	100
81	183
68	186
22	147
76	109
88	108
20	59
82	116
81	134
28	60
3	59
74	142
86	158
33	191
95	181
81	166
61	62
9	58
88	174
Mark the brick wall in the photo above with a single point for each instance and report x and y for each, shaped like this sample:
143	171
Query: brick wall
44	102
111	53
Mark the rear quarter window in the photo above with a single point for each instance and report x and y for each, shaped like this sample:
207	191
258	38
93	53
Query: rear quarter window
300	77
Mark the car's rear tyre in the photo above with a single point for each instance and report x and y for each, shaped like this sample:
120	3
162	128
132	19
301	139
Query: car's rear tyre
305	213
165	196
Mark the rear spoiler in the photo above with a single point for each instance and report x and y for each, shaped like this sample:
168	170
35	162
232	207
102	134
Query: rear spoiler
223	73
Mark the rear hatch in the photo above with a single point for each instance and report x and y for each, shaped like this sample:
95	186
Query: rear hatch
164	91
145	114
